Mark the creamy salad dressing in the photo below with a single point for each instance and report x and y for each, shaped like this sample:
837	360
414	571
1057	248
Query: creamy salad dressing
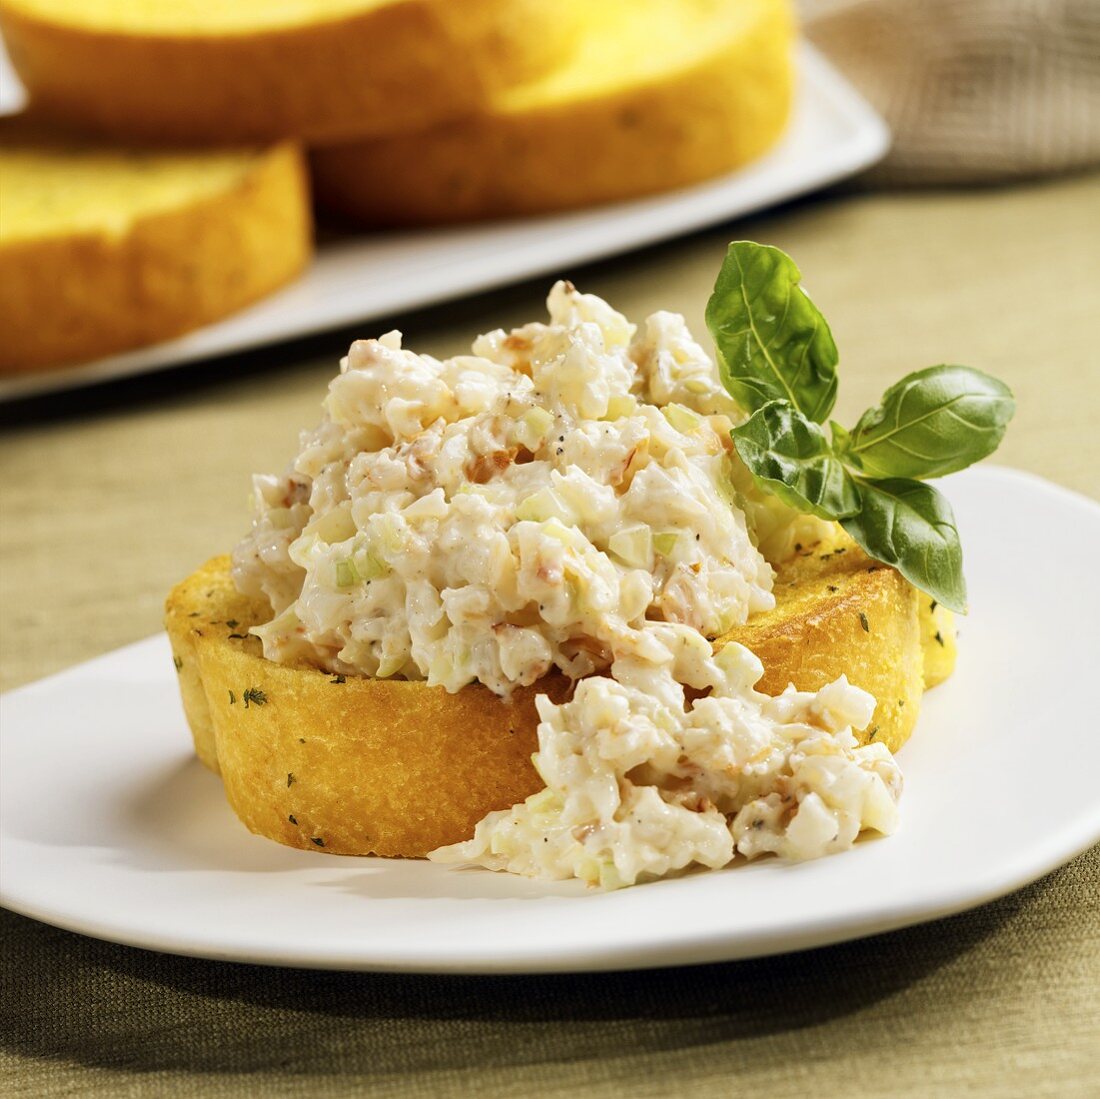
641	782
493	516
567	497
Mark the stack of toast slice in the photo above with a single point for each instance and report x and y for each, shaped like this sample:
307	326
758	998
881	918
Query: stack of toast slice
122	222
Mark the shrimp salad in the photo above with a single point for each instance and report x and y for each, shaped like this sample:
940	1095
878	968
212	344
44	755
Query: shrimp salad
567	497
640	783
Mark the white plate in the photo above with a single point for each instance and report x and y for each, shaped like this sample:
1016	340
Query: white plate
833	134
108	826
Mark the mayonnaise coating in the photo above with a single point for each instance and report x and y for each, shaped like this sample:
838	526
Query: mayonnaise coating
493	516
642	780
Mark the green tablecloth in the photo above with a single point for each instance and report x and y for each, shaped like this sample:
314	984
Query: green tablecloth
107	498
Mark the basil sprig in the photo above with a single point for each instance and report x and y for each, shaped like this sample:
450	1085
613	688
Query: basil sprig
777	359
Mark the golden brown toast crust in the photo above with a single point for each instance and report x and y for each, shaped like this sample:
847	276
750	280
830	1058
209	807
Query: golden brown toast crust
388	767
387	67
78	296
839	613
646	136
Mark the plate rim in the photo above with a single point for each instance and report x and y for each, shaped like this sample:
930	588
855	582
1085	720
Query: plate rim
651	951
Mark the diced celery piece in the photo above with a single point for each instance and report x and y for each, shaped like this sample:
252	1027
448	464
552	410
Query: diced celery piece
392	533
697	386
665	541
633	546
727	486
530	510
541	506
620	405
681	418
368	566
346	574
533	427
588	869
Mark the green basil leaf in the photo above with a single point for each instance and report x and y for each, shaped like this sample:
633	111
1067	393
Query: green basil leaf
772	342
788	455
910	525
931	423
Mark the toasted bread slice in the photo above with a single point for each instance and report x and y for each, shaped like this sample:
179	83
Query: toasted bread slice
354	765
938	643
104	249
660	94
255	70
839	613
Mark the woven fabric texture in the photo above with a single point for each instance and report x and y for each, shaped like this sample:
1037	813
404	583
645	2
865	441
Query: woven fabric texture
974	90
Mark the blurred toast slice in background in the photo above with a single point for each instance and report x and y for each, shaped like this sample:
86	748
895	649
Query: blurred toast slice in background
248	70
660	94
107	248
